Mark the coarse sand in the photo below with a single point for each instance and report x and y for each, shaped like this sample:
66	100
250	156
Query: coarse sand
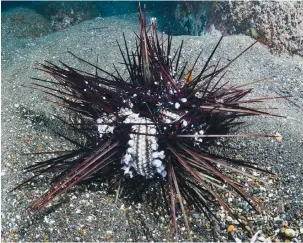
87	213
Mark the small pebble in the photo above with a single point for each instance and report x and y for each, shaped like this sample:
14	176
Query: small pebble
229	219
196	215
290	233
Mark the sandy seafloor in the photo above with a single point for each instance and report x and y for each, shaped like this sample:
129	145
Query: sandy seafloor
88	214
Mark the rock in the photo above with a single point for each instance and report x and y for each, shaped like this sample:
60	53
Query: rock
73	12
268	240
280	207
256	191
277	220
229	219
244	205
230	237
260	221
244	222
290	233
287	206
237	240
261	238
273	30
222	226
284	223
195	215
247	228
267	229
23	23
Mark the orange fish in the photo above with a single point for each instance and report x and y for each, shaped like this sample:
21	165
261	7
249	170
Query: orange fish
189	77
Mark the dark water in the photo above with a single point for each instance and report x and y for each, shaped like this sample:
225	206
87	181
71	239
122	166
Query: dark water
162	10
106	8
7	5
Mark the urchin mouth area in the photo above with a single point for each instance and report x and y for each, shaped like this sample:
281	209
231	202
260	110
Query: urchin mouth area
142	153
144	156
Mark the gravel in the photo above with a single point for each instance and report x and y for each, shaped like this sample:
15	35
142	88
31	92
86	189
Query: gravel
87	213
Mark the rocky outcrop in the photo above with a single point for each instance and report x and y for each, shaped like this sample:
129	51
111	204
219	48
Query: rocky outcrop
23	23
276	24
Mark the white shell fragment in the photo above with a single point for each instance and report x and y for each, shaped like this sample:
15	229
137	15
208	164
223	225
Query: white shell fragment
104	128
184	123
183	100
157	162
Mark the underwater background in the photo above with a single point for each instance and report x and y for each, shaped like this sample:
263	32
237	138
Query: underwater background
32	32
276	25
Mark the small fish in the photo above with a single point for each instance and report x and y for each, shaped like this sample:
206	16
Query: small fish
254	32
189	77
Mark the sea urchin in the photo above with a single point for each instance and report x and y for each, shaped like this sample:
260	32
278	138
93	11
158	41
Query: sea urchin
153	125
